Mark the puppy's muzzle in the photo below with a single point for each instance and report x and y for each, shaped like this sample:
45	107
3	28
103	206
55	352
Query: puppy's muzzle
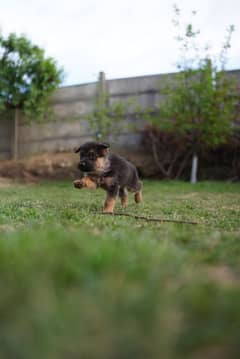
84	166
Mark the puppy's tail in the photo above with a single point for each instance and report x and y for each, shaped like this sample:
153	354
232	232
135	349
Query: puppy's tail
138	193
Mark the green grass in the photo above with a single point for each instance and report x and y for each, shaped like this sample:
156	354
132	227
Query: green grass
76	284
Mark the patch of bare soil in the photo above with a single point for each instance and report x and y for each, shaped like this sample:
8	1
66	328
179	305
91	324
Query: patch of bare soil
5	182
46	166
63	165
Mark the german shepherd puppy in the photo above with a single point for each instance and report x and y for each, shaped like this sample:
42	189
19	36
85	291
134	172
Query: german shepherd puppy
111	172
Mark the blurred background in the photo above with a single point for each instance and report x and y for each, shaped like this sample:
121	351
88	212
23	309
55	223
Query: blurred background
109	66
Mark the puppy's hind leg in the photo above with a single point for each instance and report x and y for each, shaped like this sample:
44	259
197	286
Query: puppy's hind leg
138	192
123	194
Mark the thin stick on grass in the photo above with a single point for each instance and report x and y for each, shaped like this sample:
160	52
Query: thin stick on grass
149	219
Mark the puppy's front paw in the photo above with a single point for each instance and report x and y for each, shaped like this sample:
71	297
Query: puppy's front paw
78	183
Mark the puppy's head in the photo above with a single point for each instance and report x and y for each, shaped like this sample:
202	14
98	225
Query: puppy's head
93	156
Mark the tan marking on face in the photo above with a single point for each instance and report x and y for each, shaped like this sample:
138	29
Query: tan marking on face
105	151
101	164
109	204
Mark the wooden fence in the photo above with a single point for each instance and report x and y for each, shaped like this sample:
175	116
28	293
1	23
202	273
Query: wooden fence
68	128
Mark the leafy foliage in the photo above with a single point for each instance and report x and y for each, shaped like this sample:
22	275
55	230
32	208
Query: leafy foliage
27	76
202	103
202	98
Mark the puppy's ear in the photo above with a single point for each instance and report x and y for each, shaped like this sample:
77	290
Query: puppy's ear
78	149
103	145
103	148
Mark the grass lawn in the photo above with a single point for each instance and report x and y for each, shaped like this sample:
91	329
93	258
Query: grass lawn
76	284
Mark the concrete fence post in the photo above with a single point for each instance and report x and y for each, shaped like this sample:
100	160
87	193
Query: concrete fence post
102	99
102	83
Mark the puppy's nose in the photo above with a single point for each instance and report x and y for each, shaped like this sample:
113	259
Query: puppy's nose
83	166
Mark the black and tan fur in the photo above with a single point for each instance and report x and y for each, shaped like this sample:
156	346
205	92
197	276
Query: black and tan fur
113	173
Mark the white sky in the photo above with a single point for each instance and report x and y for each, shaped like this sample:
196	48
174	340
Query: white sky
123	38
